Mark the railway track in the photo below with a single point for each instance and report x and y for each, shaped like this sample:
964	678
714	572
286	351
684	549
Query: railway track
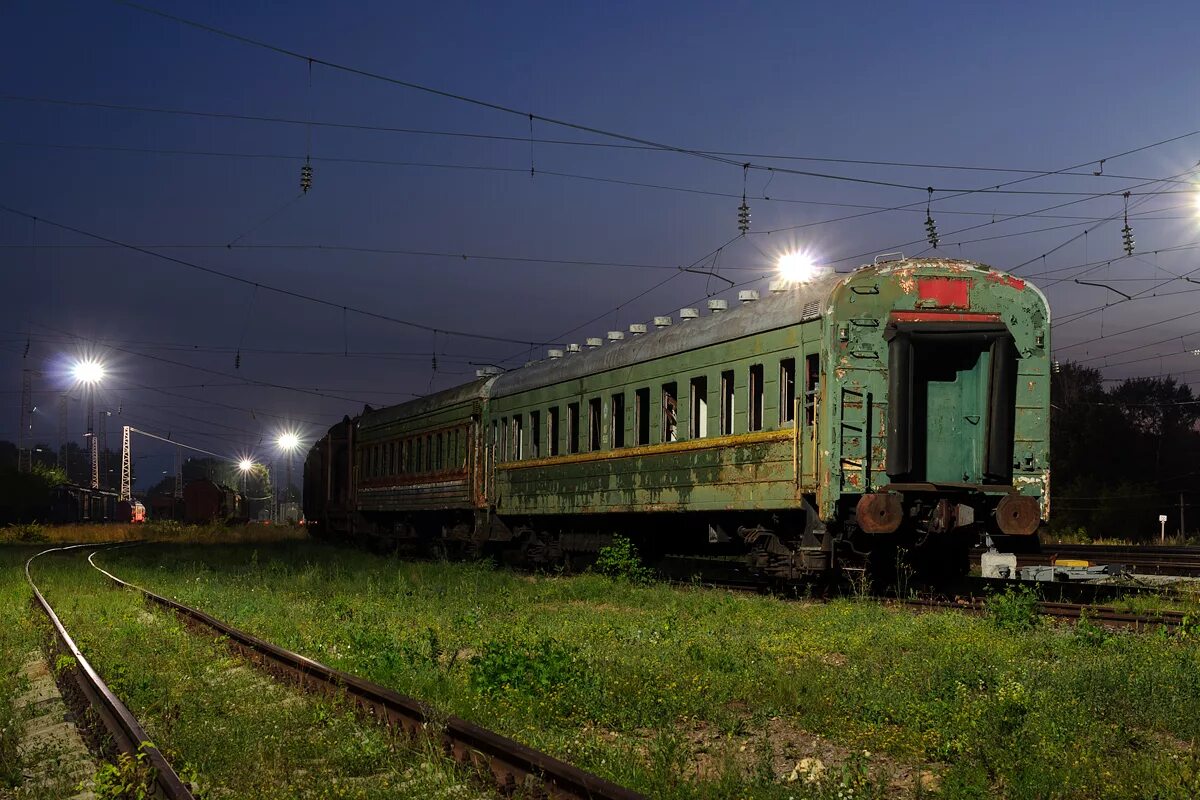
125	733
513	765
1147	560
725	576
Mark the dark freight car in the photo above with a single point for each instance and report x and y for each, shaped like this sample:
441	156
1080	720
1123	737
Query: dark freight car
205	501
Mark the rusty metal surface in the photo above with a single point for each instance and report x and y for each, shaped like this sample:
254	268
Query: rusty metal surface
1018	515
512	764
127	733
879	513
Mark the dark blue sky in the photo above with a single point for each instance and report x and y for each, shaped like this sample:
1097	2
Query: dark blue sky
1016	85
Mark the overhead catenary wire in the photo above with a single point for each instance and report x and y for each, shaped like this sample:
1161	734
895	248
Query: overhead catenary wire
531	116
546	141
269	287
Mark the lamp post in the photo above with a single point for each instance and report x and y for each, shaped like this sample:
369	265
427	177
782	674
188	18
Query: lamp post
89	372
288	442
245	465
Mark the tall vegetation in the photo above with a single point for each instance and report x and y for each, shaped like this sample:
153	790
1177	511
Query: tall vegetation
1121	455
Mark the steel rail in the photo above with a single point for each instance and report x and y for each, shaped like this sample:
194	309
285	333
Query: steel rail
511	763
127	733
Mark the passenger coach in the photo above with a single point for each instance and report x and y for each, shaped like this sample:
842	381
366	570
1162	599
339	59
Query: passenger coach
905	404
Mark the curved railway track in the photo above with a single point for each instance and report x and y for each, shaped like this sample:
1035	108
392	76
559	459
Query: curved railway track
512	764
125	732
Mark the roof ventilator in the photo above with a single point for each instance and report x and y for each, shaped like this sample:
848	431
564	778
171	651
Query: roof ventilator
637	328
662	322
688	313
717	306
748	295
554	354
615	336
574	347
594	342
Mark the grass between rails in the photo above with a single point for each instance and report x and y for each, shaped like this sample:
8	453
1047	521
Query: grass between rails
697	693
236	732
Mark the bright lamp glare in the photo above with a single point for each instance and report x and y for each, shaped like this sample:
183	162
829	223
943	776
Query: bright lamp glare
245	465
87	371
797	267
289	441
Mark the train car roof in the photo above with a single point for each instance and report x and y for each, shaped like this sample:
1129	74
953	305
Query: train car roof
797	304
475	390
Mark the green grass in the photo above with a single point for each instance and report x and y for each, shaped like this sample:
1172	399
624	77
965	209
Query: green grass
692	693
231	729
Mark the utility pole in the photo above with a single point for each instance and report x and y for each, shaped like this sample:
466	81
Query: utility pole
102	425
63	452
126	478
91	436
25	434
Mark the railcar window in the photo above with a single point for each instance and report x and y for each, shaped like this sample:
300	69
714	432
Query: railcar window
535	434
728	401
391	458
812	380
518	450
552	430
698	423
670	412
502	442
594	422
754	421
429	453
618	420
572	427
441	452
787	391
420	463
641	410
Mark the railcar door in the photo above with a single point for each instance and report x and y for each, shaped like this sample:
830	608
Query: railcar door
950	403
951	394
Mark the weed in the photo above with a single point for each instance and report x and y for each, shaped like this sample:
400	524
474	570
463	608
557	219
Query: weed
1089	633
131	778
64	663
1014	609
543	667
622	561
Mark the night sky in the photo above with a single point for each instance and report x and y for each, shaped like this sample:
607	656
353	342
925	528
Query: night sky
1011	86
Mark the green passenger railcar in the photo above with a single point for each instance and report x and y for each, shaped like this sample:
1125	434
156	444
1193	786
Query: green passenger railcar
903	404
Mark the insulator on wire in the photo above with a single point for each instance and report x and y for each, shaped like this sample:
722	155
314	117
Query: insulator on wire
1127	232
930	226
237	359
306	177
744	217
